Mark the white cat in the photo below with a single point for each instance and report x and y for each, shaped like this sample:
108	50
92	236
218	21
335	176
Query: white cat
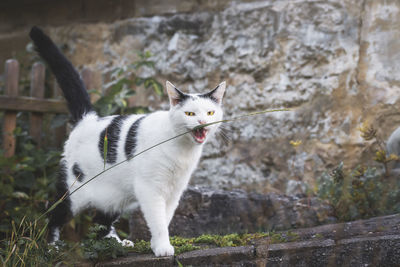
155	179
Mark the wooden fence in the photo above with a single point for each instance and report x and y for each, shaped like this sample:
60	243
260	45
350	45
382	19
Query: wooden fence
35	104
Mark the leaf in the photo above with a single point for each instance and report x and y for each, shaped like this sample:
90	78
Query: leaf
20	195
139	81
105	148
94	91
58	121
158	88
147	54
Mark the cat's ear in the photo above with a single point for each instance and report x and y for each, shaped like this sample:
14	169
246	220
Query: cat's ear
217	93
175	96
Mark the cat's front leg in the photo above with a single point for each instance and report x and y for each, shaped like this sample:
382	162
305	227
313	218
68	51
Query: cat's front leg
171	206
153	207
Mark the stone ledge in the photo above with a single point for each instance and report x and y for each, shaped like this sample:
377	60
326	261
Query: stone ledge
372	242
227	255
209	211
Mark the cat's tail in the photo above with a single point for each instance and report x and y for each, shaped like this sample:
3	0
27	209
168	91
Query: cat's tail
68	78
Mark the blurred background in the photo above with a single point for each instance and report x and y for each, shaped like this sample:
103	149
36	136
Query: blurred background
335	63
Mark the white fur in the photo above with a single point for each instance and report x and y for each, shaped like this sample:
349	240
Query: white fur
155	179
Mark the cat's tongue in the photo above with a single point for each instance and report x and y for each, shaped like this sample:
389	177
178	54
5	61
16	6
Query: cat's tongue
200	135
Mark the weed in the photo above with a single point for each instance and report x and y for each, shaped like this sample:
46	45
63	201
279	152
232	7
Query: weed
97	248
365	191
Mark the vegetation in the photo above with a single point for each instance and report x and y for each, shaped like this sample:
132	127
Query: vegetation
113	98
97	248
182	244
365	191
28	180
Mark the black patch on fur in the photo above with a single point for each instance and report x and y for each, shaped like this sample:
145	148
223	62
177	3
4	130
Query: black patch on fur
68	78
182	97
62	213
209	95
131	138
78	173
113	131
106	219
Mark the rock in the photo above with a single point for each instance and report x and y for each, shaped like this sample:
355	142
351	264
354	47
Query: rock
206	211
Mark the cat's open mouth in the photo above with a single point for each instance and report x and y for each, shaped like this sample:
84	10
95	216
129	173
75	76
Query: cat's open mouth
199	135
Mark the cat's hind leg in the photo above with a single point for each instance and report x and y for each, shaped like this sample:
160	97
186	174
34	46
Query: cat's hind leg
107	220
61	213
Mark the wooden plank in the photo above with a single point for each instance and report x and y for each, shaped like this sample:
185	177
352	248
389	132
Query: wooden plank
30	104
37	91
10	117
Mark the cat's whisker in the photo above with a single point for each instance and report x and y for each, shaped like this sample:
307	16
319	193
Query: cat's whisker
226	139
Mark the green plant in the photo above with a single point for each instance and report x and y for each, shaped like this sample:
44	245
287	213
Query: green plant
27	181
27	246
97	248
362	193
365	191
115	94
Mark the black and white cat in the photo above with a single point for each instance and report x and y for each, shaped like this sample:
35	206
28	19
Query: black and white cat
154	180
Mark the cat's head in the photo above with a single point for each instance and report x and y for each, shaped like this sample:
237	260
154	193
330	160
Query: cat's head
190	110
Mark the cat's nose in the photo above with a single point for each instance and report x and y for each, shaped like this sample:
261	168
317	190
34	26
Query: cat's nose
202	122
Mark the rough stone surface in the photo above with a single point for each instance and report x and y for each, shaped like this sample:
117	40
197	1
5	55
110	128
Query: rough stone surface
335	62
140	260
372	242
206	211
233	256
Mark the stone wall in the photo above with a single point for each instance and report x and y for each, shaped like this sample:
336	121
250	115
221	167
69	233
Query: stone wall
336	63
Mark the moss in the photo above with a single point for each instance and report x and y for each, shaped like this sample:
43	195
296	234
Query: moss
185	248
141	246
183	244
292	236
277	238
320	236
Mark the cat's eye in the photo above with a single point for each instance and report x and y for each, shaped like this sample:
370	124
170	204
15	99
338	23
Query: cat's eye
189	113
210	113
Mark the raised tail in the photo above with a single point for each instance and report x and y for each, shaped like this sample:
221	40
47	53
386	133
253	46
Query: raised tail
68	78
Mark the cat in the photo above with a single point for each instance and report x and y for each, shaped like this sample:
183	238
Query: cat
154	180
393	147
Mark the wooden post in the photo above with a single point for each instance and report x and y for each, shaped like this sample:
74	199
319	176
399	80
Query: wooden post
10	117
37	91
61	131
88	80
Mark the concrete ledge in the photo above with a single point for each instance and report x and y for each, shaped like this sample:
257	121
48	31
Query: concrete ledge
372	242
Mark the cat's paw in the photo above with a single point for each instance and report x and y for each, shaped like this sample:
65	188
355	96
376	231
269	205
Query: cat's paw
163	250
127	243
